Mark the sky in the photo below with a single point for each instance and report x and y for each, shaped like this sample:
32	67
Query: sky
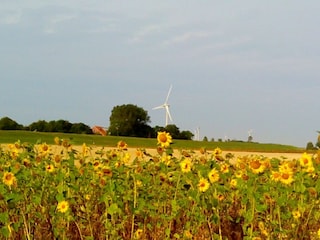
234	66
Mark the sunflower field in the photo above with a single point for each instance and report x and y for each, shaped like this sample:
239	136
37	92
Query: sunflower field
56	192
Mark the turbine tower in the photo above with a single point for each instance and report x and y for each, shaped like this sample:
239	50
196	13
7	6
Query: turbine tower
166	106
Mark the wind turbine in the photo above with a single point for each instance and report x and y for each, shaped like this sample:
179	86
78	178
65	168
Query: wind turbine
166	107
250	135
197	134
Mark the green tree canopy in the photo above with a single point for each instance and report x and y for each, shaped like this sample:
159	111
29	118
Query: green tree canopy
7	123
129	120
59	126
174	132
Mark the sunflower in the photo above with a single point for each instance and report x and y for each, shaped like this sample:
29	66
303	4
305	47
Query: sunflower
233	183
217	151
186	165
286	178
224	168
305	160
164	139
166	159
275	176
9	179
50	168
213	175
122	145
106	171
138	234
96	165
296	214
139	153
126	158
63	206
203	185
309	169
44	149
286	167
256	166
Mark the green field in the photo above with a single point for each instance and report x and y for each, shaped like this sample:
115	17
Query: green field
11	136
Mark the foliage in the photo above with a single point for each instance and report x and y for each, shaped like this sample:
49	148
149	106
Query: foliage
310	146
129	120
7	123
80	128
174	131
56	192
62	126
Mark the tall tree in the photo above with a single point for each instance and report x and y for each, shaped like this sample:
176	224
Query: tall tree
7	123
129	120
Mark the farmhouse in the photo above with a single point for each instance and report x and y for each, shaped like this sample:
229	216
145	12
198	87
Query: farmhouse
99	130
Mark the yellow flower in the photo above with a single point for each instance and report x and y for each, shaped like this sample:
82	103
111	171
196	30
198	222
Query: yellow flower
85	150
309	169
256	166
217	151
126	158
186	165
164	139
57	141
239	173
296	214
65	143
203	185
187	234
224	168
63	206
220	197
286	167
44	148
9	179
275	176
96	165
261	225
318	233
122	145
139	183
217	154
138	234
50	168
213	175
166	159
233	183
305	160
286	178
139	153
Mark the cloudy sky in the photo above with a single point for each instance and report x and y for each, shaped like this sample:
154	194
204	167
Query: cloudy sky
233	65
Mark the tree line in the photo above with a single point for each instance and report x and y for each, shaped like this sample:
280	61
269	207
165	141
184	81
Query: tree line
62	126
125	120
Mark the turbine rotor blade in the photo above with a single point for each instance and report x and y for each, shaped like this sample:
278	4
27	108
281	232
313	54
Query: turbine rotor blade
168	94
168	112
159	107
